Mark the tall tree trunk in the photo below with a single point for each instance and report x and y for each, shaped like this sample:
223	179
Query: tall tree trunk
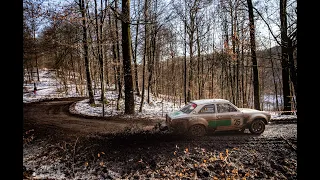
256	91
173	78
151	63
284	56
190	78
135	52
237	55
126	51
100	58
114	52
145	52
185	65
213	61
200	95
232	64
243	70
85	48
74	73
37	67
35	49
103	47
119	82
153	49
274	80
292	69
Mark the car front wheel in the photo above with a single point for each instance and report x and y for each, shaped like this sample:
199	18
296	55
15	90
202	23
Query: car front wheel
197	130
257	126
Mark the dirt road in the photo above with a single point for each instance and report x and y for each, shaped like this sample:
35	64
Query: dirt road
56	114
60	145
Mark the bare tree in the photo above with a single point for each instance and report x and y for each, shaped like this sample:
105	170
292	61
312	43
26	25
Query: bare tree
98	28
256	90
126	53
135	50
145	50
83	10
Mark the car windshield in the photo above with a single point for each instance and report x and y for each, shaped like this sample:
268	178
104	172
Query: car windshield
188	108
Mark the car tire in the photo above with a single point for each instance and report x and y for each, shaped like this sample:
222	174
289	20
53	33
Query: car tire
197	130
257	126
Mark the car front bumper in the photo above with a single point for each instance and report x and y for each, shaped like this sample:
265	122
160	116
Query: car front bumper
177	125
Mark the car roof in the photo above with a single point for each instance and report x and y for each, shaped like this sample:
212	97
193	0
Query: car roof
209	101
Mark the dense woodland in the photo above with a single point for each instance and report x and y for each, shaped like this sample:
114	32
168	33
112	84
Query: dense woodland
240	50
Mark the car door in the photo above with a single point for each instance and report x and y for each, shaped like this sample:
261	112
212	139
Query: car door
228	117
208	112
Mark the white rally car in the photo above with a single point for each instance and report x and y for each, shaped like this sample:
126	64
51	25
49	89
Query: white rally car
200	116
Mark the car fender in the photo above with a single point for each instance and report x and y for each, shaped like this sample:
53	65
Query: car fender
258	116
193	121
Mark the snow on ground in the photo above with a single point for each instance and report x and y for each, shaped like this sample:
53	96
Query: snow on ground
156	108
50	87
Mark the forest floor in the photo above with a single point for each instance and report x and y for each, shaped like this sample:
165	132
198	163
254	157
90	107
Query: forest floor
61	145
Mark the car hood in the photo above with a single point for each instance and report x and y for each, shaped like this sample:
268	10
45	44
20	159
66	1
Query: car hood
248	110
177	114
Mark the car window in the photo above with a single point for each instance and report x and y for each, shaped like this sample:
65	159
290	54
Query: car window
208	109
188	108
221	108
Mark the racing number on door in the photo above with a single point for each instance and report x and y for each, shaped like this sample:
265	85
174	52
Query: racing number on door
236	122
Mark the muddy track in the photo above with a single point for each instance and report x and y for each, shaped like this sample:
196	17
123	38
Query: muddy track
54	115
72	143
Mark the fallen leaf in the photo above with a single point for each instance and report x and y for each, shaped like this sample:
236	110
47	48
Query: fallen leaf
221	156
234	171
98	154
212	159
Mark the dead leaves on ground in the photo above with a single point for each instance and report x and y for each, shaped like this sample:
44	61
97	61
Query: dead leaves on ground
28	136
195	163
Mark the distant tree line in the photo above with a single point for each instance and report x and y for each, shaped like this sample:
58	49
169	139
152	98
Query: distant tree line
180	50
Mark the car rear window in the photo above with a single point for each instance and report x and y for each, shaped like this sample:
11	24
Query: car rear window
188	108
